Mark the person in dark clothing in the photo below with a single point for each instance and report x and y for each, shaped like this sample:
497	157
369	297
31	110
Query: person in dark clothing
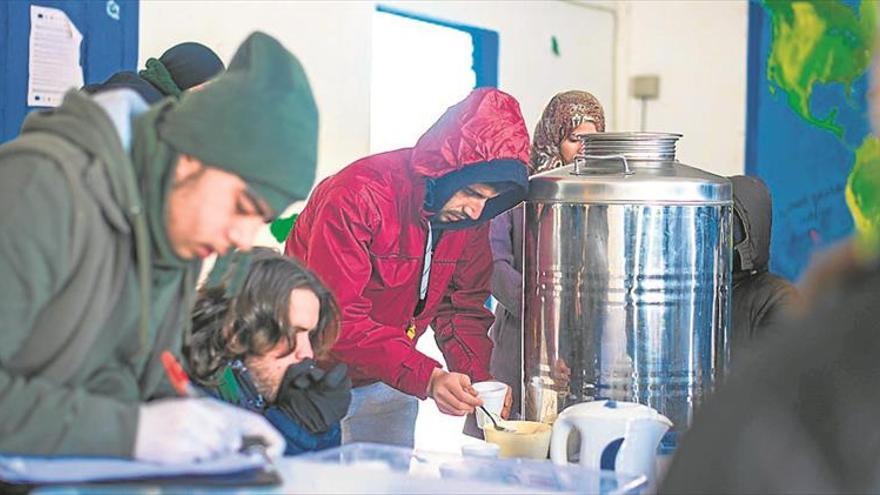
259	324
797	416
760	299
182	67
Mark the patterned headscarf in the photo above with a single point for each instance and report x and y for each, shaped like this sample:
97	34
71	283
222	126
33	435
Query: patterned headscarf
565	112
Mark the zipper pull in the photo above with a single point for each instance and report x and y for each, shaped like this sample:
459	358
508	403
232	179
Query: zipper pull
411	329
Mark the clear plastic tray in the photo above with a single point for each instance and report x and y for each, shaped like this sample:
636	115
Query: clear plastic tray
373	468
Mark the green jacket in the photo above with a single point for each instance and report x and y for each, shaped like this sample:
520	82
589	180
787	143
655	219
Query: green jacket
76	357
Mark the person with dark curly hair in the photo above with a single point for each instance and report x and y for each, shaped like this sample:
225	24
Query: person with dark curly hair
256	335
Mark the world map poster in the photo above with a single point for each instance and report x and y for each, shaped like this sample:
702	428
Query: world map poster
809	136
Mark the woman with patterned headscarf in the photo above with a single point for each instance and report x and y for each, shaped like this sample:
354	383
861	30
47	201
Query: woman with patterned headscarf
556	141
566	118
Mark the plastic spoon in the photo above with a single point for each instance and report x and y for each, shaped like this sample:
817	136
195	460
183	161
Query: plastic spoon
495	423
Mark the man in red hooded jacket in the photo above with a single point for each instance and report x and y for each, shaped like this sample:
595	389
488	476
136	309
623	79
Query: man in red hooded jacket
402	239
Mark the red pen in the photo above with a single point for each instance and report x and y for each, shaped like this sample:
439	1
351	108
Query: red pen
184	387
177	376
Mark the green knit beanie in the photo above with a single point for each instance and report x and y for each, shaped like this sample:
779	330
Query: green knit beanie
257	120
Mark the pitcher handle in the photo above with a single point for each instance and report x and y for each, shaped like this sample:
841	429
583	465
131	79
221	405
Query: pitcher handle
559	440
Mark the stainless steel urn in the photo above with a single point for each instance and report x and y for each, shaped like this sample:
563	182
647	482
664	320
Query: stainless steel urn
627	261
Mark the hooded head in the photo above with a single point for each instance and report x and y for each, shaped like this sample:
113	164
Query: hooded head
752	220
561	118
181	67
481	140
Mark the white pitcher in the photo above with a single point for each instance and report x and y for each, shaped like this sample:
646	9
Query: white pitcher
619	436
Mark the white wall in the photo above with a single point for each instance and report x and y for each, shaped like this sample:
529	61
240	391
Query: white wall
699	49
331	39
527	68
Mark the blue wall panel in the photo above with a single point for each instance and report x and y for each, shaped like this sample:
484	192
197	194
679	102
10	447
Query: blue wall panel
110	37
805	152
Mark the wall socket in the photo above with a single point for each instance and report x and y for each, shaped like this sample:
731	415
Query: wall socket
645	86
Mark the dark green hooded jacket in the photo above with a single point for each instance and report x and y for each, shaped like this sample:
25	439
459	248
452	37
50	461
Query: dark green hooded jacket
73	367
90	289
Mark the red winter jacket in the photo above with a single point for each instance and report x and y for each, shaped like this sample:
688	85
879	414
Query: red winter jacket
364	230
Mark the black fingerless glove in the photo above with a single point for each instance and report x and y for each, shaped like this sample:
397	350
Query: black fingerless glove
315	398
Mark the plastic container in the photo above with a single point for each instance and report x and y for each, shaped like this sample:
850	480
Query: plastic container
481	449
372	468
529	439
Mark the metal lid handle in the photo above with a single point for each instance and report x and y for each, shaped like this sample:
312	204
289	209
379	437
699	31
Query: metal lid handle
581	160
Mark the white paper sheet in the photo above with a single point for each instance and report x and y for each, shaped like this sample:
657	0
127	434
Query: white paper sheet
53	61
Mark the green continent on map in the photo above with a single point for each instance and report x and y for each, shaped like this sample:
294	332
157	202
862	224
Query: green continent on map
818	42
863	191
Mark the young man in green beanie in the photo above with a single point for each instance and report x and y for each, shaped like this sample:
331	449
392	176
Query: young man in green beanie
108	208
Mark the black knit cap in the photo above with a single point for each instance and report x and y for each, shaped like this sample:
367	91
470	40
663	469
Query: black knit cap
181	67
191	64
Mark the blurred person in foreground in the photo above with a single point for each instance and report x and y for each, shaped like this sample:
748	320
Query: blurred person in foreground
799	414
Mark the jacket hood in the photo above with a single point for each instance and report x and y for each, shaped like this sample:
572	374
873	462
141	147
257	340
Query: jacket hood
103	132
752	206
83	122
484	131
485	126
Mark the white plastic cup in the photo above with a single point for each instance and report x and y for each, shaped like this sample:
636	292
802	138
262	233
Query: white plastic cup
480	449
492	395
